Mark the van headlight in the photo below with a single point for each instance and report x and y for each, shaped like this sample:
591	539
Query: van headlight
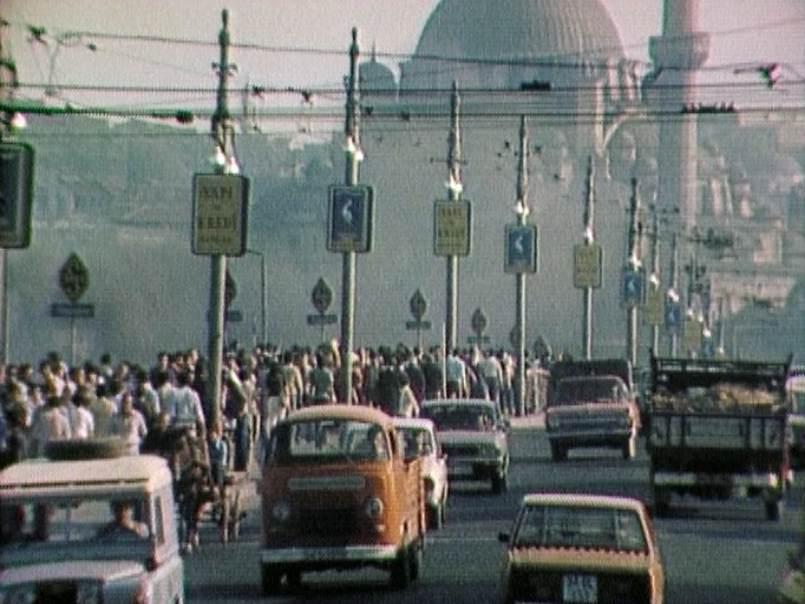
281	510
373	507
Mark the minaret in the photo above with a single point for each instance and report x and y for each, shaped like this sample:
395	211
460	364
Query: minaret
677	54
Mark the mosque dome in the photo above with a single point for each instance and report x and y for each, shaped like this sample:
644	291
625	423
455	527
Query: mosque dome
499	29
375	76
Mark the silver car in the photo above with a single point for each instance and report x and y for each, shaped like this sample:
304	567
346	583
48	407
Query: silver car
475	438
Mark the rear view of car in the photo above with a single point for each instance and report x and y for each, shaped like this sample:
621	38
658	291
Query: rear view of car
474	437
581	548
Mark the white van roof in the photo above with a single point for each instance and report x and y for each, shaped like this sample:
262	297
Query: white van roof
129	474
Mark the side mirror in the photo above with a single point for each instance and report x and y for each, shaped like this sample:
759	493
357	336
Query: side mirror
504	537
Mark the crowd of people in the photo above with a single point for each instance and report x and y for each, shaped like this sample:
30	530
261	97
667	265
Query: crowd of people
142	405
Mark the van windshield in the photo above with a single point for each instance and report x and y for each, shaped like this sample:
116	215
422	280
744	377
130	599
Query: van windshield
78	520
328	438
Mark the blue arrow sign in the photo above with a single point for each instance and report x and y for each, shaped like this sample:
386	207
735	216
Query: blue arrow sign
672	313
632	287
521	248
350	218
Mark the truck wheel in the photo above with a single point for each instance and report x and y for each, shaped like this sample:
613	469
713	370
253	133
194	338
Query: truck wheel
558	452
401	570
499	483
774	509
435	517
629	448
662	502
271	576
294	580
416	560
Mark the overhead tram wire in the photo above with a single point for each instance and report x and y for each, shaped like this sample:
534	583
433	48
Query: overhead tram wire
565	60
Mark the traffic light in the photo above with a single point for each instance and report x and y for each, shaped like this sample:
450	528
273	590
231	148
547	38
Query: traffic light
16	193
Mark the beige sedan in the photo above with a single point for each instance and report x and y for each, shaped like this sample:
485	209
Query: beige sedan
581	549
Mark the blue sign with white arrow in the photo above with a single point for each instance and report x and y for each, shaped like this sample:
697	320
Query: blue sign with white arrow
521	248
350	218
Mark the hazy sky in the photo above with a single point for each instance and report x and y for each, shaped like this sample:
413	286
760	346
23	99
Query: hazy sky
742	30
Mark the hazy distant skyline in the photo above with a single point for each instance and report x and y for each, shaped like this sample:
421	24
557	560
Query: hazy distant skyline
741	30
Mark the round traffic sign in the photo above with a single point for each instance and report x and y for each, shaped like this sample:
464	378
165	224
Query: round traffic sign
418	305
321	296
74	278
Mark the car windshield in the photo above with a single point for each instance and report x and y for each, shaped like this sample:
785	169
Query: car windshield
572	391
580	527
78	520
461	416
328	438
418	441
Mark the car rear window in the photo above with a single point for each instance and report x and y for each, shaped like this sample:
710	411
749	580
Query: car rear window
581	527
571	391
461	416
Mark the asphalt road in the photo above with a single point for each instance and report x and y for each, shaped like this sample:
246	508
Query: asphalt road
713	552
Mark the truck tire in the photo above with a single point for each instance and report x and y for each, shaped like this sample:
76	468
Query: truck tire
629	448
416	550
271	579
436	517
499	483
774	510
401	569
90	448
558	452
662	502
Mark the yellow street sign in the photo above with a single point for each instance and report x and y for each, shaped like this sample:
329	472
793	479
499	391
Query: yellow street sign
587	262
451	228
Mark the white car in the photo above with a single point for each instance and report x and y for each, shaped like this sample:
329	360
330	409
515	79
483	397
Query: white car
419	436
475	438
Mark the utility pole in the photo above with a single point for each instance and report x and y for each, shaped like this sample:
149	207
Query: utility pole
353	158
454	194
673	293
222	134
520	277
655	276
633	265
588	240
6	64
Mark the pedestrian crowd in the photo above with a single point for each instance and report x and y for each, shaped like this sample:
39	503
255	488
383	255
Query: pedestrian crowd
143	405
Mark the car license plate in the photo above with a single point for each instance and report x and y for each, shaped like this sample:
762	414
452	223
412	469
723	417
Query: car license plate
580	589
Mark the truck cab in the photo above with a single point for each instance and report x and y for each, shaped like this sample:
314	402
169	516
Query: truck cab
592	404
339	493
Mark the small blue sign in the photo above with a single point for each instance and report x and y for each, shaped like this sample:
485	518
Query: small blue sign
673	313
708	348
521	248
632	287
350	219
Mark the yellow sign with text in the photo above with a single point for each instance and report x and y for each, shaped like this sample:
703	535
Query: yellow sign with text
452	225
